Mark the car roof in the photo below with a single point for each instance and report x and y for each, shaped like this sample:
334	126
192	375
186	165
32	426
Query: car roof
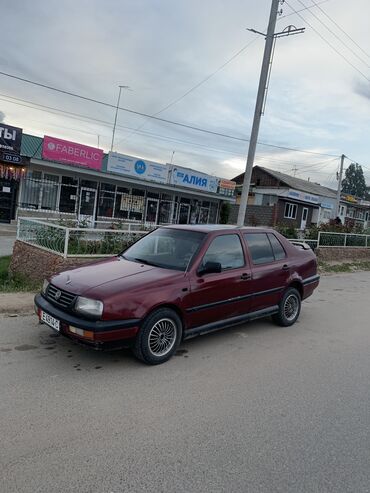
208	228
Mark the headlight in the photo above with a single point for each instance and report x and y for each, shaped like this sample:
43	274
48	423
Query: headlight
45	286
86	306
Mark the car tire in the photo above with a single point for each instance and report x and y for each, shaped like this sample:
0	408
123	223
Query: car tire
159	337
289	308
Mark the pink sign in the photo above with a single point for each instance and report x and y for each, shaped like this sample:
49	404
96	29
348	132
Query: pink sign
71	153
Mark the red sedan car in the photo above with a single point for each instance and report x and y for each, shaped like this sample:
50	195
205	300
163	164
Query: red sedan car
178	282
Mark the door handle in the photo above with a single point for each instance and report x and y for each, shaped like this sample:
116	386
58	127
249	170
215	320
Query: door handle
285	267
245	276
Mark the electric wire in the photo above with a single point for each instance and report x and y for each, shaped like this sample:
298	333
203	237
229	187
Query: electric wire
336	36
328	42
183	125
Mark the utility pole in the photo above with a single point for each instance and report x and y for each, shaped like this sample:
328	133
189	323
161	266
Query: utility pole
339	190
115	118
259	108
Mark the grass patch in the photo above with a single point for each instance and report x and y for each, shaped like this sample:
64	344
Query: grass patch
344	267
16	283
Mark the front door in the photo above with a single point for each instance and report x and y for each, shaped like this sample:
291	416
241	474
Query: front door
184	213
7	199
218	296
304	218
87	206
151	212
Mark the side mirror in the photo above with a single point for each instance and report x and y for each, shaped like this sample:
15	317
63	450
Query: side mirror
210	268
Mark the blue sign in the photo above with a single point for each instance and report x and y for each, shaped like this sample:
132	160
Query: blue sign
140	167
193	179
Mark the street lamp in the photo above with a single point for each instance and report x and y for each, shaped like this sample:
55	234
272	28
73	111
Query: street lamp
115	118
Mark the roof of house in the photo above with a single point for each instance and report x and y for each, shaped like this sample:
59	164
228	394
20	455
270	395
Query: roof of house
296	183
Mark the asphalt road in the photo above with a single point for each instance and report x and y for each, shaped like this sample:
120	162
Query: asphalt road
255	408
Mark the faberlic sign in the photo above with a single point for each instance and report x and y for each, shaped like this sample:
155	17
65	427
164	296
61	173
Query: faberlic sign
67	152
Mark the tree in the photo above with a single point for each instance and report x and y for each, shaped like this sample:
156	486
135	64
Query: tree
354	181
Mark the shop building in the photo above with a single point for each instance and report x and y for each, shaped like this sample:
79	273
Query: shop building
69	180
297	203
12	169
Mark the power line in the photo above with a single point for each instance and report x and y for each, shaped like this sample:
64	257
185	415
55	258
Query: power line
193	88
232	137
340	28
327	42
302	10
336	36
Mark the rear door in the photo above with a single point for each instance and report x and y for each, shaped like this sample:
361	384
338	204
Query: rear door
218	296
270	269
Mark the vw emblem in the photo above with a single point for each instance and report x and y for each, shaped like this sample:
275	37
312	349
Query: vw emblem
57	294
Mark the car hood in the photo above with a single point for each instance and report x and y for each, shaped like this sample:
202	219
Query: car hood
83	279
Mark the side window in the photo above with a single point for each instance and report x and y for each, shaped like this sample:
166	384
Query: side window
227	250
277	248
259	247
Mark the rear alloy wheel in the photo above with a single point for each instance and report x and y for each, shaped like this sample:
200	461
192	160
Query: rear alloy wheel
158	337
289	308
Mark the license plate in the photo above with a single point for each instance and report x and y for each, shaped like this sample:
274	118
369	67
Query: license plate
50	321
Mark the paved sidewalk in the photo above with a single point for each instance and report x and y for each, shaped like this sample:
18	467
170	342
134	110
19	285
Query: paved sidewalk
6	245
16	303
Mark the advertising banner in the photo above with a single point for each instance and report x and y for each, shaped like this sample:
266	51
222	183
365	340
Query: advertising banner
10	143
140	168
68	152
303	196
186	177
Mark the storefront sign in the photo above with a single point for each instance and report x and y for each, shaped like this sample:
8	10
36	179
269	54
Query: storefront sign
193	179
133	166
350	198
10	139
303	196
228	184
326	205
10	144
71	153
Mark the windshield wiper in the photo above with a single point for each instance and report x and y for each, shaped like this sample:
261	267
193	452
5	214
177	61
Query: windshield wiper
144	261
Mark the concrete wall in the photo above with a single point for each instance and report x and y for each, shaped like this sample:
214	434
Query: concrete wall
257	215
37	264
328	254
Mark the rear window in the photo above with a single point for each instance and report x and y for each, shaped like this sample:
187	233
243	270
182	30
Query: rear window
278	250
259	247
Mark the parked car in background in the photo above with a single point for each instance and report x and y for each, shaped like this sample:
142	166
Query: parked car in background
178	282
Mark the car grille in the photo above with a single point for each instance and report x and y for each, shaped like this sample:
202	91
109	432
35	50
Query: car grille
60	297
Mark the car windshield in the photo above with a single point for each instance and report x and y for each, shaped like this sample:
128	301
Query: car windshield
167	248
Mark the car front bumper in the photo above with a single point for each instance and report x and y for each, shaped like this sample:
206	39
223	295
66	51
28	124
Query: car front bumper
100	334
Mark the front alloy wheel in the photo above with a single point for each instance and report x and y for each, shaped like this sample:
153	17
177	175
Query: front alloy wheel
158	337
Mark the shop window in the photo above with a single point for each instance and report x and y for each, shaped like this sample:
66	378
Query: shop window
68	199
165	208
107	187
152	195
166	196
106	204
290	211
123	190
88	184
137	205
122	207
203	215
31	189
213	210
69	180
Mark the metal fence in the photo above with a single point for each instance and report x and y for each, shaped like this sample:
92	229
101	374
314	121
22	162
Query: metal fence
74	241
329	239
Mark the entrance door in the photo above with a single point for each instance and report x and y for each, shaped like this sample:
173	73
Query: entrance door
7	199
151	213
184	213
304	218
87	206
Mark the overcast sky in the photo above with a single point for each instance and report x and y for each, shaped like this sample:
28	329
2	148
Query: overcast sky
317	101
